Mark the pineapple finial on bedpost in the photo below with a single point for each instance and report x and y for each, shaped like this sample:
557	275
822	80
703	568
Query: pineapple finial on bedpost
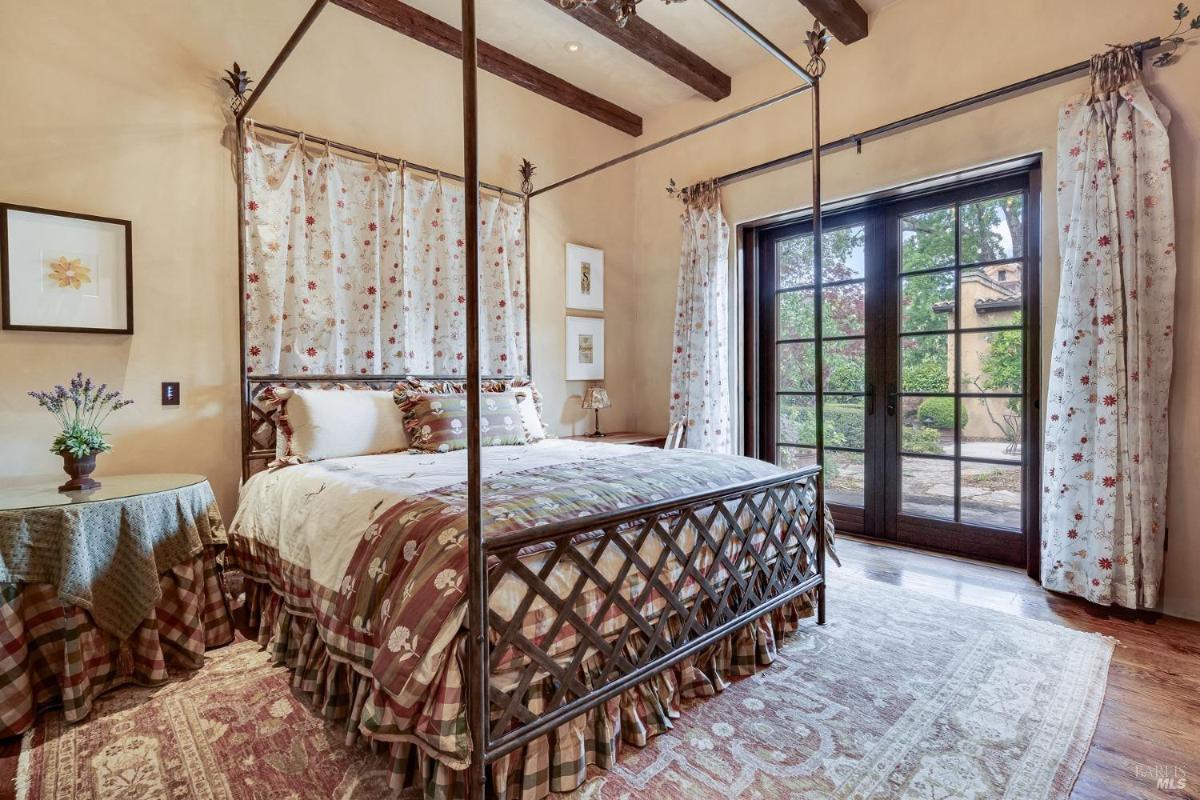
238	82
526	171
817	42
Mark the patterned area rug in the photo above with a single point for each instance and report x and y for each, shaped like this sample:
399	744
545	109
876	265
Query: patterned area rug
901	695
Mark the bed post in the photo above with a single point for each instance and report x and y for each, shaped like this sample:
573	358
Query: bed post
239	173
477	667
819	356
239	117
526	171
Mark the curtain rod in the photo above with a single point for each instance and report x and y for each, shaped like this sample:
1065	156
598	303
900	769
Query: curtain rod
917	120
371	154
641	151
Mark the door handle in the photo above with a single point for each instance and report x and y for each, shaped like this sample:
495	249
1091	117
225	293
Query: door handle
870	399
891	400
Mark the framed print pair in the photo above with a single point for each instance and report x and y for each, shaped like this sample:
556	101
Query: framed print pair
585	278
585	349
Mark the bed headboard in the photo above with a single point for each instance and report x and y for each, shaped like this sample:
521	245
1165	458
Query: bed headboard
259	425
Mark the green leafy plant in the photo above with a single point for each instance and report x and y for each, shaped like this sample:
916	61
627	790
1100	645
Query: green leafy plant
938	412
920	440
926	375
1002	365
81	408
79	442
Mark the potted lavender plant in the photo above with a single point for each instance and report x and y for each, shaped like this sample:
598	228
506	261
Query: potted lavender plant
80	409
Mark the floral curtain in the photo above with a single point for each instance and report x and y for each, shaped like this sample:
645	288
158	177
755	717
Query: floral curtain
355	268
1105	470
700	360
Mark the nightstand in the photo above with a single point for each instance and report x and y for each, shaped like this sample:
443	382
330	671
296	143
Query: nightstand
625	437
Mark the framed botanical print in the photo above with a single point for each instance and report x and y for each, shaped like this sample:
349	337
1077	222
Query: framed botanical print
585	348
585	278
61	271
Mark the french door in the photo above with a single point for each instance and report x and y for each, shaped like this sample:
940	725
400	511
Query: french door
928	337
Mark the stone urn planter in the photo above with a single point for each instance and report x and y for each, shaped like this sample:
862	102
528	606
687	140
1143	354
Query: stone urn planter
80	470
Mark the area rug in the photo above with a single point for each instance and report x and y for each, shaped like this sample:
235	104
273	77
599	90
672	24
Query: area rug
900	695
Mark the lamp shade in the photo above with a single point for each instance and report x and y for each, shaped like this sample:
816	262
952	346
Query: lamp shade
596	397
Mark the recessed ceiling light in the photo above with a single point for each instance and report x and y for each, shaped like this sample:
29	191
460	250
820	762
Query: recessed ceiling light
573	47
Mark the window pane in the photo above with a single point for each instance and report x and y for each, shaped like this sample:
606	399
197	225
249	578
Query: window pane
926	363
794	262
797	420
927	302
992	229
991	428
991	362
843	310
796	457
927	240
927	425
991	495
843	254
797	367
845	365
991	296
927	487
795	315
845	422
844	477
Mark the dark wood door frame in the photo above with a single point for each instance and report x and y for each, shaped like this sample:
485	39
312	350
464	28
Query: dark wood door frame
880	517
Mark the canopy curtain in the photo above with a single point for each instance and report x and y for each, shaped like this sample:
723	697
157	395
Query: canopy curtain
700	359
1105	470
354	268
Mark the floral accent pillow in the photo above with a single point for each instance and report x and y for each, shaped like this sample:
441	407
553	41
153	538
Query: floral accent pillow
437	423
529	400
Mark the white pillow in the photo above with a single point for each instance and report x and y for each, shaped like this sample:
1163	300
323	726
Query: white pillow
316	424
534	430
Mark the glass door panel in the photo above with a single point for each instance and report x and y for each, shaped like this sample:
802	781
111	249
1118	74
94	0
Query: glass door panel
842	337
924	297
960	365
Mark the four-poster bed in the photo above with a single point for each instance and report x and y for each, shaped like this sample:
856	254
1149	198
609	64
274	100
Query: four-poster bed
638	571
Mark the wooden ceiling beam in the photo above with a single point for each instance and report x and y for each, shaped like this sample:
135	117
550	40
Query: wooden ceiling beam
650	44
846	19
431	31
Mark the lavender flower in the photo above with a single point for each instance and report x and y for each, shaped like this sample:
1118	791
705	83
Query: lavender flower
80	410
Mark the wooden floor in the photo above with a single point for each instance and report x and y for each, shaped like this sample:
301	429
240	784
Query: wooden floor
1150	725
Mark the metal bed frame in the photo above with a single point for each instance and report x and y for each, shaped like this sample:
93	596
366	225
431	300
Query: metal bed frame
736	572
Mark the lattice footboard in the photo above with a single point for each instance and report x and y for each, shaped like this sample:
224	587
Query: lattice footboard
687	572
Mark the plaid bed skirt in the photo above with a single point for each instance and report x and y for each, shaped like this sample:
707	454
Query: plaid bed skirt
53	654
557	762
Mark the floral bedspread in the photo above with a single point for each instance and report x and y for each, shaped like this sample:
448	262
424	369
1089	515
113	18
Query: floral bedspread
406	580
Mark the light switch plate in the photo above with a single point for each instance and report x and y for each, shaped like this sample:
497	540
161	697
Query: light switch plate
170	393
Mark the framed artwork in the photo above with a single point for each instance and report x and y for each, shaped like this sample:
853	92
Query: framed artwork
585	348
585	278
65	272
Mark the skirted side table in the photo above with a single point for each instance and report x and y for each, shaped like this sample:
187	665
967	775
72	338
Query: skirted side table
100	588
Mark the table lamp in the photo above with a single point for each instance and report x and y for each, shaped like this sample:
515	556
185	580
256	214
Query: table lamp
596	398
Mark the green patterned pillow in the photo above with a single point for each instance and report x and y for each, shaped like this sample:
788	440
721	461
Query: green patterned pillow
437	423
